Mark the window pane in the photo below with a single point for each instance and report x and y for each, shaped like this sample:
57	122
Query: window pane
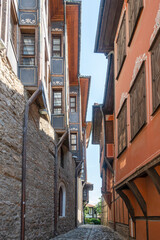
72	104
74	147
57	111
56	41
73	99
56	48
28	61
56	54
73	110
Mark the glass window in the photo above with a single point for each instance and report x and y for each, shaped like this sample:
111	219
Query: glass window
28	49
56	47
73	141
57	102
73	104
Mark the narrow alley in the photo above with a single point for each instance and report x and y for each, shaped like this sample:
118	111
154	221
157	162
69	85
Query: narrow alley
89	232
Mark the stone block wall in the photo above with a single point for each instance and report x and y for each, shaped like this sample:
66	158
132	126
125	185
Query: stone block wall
40	162
67	177
12	105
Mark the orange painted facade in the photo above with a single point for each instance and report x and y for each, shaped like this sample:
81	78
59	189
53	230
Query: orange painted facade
131	177
142	152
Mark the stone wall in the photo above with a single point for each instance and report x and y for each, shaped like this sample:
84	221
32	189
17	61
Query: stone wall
67	177
12	105
40	162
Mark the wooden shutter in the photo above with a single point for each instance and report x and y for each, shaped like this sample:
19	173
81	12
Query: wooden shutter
134	10
109	132
155	61
138	103
122	129
121	46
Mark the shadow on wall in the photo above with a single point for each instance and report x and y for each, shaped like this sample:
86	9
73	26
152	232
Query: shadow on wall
40	164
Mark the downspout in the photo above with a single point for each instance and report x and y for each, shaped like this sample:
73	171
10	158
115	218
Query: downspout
25	128
57	147
24	155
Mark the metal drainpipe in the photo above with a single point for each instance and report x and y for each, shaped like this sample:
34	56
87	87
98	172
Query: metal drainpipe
57	147
25	128
24	151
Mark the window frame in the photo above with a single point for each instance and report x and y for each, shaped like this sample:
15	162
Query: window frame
119	127
155	106
57	36
131	32
137	80
120	33
27	56
75	107
60	106
74	144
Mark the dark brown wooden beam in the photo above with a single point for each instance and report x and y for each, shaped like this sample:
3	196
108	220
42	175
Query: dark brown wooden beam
152	173
132	186
127	202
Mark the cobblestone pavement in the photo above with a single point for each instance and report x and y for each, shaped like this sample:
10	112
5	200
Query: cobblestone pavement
90	232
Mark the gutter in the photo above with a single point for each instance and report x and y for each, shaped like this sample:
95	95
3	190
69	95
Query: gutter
57	147
25	127
24	155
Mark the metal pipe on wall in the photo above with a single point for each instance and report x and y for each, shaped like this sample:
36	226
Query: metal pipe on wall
24	156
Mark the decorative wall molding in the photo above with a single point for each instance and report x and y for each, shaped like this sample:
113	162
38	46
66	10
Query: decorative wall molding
58	83
57	29
73	92
28	18
74	129
138	63
156	26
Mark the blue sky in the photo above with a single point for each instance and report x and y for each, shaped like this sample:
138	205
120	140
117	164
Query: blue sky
94	65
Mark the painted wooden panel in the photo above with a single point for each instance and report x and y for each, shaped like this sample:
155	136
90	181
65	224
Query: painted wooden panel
28	18
29	4
58	121
57	81
57	66
28	75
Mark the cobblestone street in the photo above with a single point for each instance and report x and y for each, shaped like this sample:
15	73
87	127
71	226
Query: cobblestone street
90	232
